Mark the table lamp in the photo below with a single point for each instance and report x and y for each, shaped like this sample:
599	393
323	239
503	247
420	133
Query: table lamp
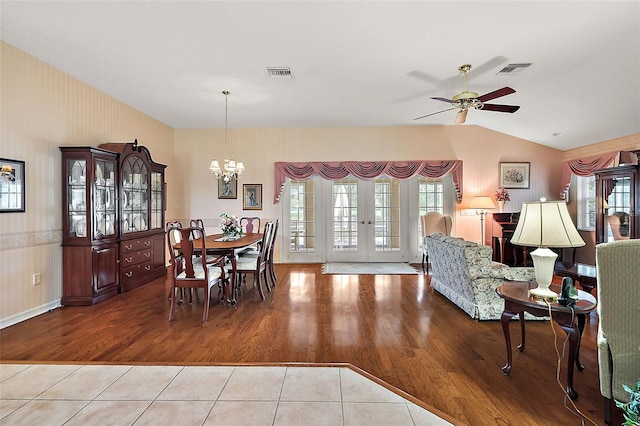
545	224
482	203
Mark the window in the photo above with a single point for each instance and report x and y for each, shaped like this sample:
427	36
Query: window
430	199
586	194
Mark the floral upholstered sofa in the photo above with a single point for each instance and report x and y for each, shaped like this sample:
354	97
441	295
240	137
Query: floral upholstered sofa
464	273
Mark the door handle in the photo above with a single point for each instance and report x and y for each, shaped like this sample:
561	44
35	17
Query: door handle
370	222
362	222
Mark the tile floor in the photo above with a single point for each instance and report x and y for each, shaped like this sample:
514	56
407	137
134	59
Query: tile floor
37	394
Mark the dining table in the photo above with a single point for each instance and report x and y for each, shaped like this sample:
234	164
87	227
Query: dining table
221	245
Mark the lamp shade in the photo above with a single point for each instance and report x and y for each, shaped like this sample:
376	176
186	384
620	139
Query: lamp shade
546	224
482	202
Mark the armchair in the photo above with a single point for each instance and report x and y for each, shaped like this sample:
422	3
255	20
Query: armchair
433	222
618	268
616	228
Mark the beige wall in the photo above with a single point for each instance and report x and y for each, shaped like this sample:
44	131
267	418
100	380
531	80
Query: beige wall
43	108
196	189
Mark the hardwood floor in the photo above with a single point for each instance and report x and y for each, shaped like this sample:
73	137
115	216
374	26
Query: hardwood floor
394	327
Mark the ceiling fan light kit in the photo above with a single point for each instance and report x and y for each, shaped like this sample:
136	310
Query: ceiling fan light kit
466	100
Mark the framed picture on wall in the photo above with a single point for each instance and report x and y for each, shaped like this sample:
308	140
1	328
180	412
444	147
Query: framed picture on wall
12	188
227	189
252	196
515	175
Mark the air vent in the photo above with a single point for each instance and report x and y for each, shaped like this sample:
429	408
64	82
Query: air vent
279	72
514	68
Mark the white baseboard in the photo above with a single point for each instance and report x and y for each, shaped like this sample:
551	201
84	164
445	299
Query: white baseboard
23	316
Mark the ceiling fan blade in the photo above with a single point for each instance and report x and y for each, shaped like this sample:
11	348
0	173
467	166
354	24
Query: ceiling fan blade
461	116
500	108
423	76
496	94
433	113
442	99
487	66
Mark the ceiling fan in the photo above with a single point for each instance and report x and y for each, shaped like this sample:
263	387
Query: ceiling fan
465	100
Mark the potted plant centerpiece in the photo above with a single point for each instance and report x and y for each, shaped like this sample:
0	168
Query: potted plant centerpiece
230	226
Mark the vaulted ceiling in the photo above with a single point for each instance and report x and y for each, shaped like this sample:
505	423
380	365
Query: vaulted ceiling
353	63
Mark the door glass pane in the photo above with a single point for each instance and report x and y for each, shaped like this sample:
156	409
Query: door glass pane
344	196
302	216
387	214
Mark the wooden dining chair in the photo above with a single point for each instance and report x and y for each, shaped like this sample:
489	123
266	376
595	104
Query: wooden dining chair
196	272
200	232
270	253
250	224
256	265
173	238
195	224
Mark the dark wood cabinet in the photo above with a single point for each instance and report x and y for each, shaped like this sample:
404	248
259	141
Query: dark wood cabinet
502	227
89	225
617	203
113	216
141	214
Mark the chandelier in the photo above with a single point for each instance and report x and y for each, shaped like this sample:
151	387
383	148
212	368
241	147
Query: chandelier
230	169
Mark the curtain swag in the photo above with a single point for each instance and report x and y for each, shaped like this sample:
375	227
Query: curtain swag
583	167
368	170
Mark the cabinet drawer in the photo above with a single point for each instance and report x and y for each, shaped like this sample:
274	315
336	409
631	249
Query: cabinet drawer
136	272
133	258
135	245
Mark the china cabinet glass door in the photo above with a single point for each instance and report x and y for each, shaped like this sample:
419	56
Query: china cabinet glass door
104	211
135	179
156	200
77	197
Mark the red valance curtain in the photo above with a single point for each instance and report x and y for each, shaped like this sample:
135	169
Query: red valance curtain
368	170
583	167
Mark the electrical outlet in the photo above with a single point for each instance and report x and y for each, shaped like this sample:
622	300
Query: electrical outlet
36	278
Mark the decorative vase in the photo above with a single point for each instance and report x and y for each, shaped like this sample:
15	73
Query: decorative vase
501	205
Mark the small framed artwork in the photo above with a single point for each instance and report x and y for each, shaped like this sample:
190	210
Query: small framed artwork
515	175
252	196
12	188
227	189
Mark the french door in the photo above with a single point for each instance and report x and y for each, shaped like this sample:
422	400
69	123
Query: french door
364	221
354	220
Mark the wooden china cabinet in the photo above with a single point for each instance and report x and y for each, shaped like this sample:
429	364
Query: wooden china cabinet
113	214
89	225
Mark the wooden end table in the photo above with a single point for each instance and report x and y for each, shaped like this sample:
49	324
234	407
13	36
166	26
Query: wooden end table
517	301
581	272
